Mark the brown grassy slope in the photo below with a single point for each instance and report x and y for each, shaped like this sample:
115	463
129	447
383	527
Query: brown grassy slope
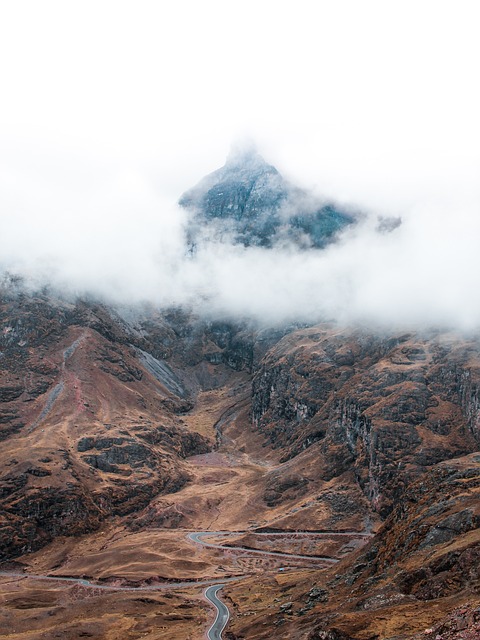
422	564
88	432
31	611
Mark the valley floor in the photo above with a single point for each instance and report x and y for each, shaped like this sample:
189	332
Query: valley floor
144	576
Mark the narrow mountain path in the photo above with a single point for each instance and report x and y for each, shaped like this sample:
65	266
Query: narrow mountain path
198	538
107	587
60	386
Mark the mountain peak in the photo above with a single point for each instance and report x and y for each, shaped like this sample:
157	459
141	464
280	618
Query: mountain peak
249	202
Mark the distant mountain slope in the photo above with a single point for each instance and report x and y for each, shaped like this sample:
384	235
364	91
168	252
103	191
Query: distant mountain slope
249	202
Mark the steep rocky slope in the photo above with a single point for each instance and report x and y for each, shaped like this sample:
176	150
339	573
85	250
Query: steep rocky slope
385	407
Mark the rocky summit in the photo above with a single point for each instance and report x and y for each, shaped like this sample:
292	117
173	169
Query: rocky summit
248	202
323	480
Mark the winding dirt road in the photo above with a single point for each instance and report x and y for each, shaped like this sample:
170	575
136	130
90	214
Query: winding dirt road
213	586
108	587
223	614
198	538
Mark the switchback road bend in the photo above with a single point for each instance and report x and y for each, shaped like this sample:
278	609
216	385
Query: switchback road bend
215	631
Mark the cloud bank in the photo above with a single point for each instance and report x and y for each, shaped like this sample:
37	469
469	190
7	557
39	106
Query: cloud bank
111	110
128	246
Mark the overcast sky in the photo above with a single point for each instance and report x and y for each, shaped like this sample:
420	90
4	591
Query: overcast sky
110	110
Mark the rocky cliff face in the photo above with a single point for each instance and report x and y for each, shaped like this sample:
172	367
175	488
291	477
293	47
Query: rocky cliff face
386	407
248	202
437	523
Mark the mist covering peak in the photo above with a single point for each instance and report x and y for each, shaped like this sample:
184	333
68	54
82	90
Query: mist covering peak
264	249
249	202
244	153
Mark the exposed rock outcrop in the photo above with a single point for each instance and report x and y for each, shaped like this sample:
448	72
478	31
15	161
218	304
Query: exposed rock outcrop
387	407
